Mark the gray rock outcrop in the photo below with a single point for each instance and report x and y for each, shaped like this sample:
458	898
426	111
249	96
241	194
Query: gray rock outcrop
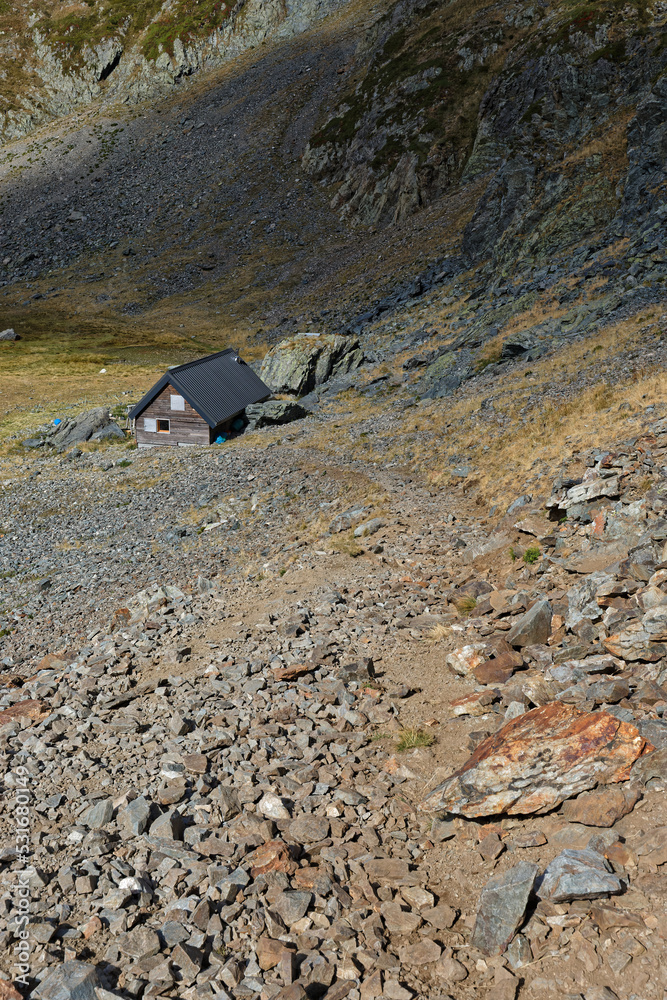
92	425
303	362
274	411
121	67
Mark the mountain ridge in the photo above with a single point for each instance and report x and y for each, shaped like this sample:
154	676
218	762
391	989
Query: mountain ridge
116	51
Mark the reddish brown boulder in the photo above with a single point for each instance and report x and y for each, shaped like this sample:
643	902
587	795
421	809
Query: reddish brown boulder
538	760
270	952
50	662
601	807
8	991
29	709
214	847
196	763
499	670
274	856
293	671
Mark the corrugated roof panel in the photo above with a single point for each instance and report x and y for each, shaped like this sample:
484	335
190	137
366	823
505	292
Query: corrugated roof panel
217	387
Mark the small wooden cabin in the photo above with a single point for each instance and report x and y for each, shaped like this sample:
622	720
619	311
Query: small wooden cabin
197	402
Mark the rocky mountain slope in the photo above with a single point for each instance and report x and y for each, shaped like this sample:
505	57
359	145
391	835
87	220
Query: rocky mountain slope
392	151
331	733
60	57
371	705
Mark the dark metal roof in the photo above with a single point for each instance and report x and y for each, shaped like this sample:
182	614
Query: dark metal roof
218	387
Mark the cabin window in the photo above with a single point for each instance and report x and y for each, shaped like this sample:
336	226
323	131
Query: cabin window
150	424
177	403
163	426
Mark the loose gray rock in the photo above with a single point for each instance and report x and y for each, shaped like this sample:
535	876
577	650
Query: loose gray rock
655	731
134	818
140	942
519	502
230	883
111	432
362	669
70	981
308	829
533	627
575	874
98	815
74	430
228	802
178	725
169	825
368	527
502	907
348	519
9	335
291	906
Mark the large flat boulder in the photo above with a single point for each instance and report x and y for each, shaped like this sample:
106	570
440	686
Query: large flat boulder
84	426
301	363
538	760
274	411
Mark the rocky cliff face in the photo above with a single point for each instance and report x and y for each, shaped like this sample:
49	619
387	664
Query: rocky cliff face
56	64
557	112
517	150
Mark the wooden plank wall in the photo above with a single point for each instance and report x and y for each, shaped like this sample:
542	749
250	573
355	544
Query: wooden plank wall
186	426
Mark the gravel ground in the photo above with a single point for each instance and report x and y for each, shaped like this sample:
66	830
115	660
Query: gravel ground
232	772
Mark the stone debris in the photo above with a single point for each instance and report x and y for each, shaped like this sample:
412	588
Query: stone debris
8	334
602	807
73	980
466	659
92	425
31	708
502	907
583	874
221	807
538	760
533	628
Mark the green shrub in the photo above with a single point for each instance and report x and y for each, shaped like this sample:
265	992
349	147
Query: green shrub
531	555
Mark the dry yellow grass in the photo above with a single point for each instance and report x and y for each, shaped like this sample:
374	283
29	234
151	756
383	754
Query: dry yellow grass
57	362
437	634
508	454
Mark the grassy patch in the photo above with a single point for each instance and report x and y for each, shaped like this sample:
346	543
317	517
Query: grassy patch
437	634
531	555
186	19
346	544
603	397
466	605
54	369
412	739
70	34
489	356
